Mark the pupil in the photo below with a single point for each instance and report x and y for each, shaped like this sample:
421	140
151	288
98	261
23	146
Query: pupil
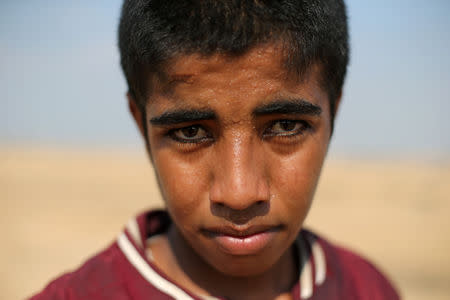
287	125
190	131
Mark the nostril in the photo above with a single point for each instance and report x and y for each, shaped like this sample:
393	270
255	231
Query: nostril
260	202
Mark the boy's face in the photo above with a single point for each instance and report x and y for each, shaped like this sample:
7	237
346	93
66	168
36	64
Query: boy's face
237	147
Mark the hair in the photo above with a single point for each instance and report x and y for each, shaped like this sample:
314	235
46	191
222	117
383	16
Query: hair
151	32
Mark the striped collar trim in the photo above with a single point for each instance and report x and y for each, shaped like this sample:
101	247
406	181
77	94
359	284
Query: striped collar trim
312	258
141	265
311	255
126	242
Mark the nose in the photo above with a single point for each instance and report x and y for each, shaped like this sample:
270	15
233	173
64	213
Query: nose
240	181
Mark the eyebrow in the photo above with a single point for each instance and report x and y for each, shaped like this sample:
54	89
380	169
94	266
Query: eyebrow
179	116
294	106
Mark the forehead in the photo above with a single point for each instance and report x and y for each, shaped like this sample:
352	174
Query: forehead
261	61
258	75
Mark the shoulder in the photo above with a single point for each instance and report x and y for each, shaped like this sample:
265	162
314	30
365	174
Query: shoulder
356	277
98	278
367	279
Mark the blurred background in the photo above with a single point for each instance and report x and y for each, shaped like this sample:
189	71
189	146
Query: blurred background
73	168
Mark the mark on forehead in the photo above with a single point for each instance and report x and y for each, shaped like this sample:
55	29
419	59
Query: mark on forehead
196	62
167	82
181	78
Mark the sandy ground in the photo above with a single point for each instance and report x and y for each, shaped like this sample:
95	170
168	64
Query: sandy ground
60	207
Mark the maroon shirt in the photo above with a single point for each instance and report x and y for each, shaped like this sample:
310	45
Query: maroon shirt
124	271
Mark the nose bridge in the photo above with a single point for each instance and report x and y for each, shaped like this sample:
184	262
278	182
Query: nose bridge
239	179
240	170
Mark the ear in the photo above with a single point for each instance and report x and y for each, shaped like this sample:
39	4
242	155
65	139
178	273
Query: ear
337	104
137	114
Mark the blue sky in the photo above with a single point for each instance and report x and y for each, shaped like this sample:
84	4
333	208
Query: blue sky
59	67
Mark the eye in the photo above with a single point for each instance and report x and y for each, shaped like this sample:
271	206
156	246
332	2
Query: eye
190	134
286	128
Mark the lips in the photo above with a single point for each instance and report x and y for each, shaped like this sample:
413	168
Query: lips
242	241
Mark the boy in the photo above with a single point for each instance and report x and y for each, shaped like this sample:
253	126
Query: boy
236	102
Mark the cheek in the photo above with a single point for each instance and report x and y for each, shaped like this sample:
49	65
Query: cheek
183	185
295	178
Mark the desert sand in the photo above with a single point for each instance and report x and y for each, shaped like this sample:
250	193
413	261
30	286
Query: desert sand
61	206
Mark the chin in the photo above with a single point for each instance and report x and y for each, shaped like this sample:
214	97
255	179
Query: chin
244	266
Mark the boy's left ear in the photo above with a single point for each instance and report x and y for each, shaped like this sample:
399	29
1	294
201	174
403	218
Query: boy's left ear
333	115
136	113
337	104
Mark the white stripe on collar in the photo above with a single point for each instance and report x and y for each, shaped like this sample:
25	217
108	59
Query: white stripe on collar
306	275
320	263
133	229
306	282
147	272
307	279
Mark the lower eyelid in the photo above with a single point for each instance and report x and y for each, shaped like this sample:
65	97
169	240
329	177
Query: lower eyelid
303	126
189	141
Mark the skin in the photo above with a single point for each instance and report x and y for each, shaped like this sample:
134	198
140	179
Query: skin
254	161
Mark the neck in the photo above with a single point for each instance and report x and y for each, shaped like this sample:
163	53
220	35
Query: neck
201	278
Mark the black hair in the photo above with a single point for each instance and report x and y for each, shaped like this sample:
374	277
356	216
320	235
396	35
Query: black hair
151	32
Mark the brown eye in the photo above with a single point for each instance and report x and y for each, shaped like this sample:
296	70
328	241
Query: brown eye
190	134
286	128
286	125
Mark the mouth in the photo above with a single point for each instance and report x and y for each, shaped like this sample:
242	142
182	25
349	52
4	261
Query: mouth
242	241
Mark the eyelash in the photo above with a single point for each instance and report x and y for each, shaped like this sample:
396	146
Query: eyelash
288	134
173	135
304	126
